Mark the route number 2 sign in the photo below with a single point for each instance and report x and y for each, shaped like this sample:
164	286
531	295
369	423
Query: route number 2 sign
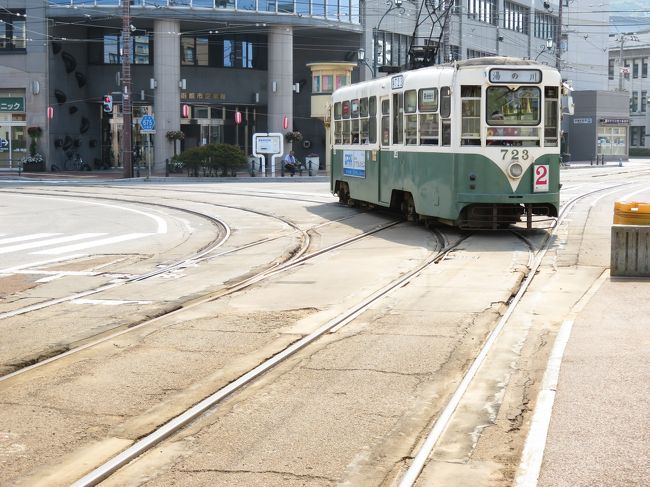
540	181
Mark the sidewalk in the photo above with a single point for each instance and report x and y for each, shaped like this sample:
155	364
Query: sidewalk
599	433
117	174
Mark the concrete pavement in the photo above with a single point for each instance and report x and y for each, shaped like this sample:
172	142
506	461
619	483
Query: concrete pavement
599	431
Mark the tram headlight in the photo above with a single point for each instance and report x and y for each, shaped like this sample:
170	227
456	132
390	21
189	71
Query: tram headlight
515	170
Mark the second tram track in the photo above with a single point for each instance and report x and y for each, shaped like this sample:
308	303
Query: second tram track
296	259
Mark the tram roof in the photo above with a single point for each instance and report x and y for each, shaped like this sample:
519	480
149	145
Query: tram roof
450	67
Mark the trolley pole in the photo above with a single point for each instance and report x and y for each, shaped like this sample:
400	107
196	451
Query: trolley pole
126	90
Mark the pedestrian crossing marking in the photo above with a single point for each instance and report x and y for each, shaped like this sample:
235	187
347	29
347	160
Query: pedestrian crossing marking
34	236
47	242
93	243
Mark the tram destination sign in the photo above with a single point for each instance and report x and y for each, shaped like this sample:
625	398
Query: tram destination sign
515	76
12	104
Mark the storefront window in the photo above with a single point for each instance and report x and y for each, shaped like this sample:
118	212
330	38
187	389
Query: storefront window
612	141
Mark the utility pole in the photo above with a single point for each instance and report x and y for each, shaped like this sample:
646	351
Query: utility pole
126	89
620	64
623	37
558	37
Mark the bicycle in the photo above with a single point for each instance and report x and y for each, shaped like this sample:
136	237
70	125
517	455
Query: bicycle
75	163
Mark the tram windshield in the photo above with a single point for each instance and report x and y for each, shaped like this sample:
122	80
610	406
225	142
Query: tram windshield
520	106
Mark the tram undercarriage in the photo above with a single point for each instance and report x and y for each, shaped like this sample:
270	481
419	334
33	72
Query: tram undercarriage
486	216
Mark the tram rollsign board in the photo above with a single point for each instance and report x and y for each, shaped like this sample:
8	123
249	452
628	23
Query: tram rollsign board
540	183
515	76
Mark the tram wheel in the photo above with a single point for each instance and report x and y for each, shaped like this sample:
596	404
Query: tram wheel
408	209
344	194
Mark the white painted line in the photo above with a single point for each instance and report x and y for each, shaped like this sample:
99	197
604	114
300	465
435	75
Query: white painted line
533	454
46	242
10	270
38	272
33	236
49	278
94	243
627	197
162	224
108	302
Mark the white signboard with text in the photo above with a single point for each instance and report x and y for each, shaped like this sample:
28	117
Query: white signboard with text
267	145
354	163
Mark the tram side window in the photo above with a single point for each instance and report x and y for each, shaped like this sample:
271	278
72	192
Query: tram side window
445	102
429	125
354	115
346	132
471	115
445	112
355	130
372	121
385	122
338	132
410	101
429	128
410	121
398	114
551	103
337	110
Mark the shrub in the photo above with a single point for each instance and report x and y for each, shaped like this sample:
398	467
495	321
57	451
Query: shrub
213	160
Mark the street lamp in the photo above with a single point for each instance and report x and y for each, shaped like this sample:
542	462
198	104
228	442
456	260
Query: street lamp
547	47
361	58
392	5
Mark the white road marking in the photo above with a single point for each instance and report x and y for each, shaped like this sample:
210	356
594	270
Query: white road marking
93	243
46	242
162	224
10	270
33	236
533	454
627	197
108	302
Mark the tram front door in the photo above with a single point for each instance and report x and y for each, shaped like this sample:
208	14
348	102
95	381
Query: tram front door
384	156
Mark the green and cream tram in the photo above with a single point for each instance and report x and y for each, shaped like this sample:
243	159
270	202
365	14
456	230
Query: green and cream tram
475	143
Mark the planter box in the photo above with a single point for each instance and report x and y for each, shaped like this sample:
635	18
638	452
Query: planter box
33	167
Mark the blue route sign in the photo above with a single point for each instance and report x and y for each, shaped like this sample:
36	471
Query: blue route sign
4	143
147	123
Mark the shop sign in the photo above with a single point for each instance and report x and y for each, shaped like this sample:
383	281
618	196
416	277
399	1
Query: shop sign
201	96
12	104
614	121
583	120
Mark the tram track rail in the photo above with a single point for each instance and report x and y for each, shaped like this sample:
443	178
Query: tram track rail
438	427
294	260
332	326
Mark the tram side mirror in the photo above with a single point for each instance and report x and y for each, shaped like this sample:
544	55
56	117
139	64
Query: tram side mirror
569	107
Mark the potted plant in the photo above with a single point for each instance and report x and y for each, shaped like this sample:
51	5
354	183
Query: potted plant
173	136
33	163
293	136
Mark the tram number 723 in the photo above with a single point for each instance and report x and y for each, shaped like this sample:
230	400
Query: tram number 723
514	154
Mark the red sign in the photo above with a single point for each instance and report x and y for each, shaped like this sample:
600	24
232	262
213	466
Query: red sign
185	111
237	117
50	112
285	122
